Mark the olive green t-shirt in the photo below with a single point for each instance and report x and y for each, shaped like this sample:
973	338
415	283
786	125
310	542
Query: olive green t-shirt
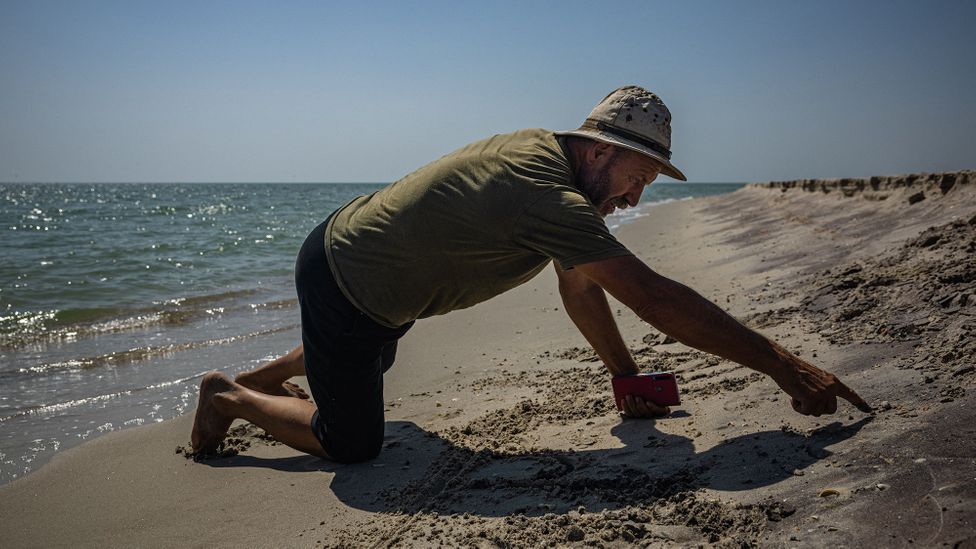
462	229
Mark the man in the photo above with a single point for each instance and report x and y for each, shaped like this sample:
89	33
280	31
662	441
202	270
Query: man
461	230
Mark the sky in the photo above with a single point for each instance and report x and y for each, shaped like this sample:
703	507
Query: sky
210	91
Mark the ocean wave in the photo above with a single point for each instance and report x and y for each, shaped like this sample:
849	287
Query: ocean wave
138	354
60	406
208	298
629	215
20	329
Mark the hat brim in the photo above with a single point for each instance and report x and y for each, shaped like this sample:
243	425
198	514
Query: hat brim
667	168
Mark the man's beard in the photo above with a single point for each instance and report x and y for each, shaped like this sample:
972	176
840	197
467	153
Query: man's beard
596	185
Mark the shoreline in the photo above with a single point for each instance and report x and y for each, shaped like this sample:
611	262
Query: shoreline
498	404
134	366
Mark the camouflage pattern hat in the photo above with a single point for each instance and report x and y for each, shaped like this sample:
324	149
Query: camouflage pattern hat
636	119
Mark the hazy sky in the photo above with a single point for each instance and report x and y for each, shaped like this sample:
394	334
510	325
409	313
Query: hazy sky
323	91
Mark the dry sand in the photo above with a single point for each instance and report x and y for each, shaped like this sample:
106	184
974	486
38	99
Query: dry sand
501	430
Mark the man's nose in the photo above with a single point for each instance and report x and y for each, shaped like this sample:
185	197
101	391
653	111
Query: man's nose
634	196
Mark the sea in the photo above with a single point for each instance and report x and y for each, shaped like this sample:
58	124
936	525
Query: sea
116	298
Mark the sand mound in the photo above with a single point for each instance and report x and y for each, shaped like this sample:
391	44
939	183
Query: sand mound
239	438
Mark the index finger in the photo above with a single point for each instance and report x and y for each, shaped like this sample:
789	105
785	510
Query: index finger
849	395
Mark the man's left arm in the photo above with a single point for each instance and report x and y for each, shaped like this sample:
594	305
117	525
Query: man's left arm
679	311
586	304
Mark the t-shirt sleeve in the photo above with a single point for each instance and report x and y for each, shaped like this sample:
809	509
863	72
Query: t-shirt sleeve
564	226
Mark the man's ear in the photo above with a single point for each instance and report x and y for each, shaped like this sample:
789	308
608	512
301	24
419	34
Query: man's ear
598	153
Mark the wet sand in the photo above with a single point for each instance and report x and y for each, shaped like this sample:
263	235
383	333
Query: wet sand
501	429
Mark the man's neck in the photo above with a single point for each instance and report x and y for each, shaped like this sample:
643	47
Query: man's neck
574	155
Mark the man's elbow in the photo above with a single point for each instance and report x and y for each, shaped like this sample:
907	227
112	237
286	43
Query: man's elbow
655	304
577	288
664	303
647	312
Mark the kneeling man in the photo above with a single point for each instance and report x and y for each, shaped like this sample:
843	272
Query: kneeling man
478	222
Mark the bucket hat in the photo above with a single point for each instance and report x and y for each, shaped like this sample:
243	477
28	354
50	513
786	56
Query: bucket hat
636	119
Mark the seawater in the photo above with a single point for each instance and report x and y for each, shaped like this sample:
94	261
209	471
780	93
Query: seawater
116	298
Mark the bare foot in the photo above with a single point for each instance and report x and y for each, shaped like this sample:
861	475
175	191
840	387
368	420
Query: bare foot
253	380
209	425
294	390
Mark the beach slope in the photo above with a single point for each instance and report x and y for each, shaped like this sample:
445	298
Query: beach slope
501	429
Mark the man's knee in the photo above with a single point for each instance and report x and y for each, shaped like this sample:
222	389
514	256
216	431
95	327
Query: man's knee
356	449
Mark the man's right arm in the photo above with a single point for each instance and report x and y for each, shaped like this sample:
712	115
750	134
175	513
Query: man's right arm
682	313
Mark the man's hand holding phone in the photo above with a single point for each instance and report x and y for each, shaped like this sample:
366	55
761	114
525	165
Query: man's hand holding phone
646	395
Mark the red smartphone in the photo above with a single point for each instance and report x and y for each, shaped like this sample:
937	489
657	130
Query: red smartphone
658	387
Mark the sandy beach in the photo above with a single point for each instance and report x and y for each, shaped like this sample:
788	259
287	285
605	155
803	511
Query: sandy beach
501	430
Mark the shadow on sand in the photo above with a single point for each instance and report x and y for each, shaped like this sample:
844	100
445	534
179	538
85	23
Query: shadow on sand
420	471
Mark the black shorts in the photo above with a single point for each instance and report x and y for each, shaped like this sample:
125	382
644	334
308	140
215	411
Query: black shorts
346	354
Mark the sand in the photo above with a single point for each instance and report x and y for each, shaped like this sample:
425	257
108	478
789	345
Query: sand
501	430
